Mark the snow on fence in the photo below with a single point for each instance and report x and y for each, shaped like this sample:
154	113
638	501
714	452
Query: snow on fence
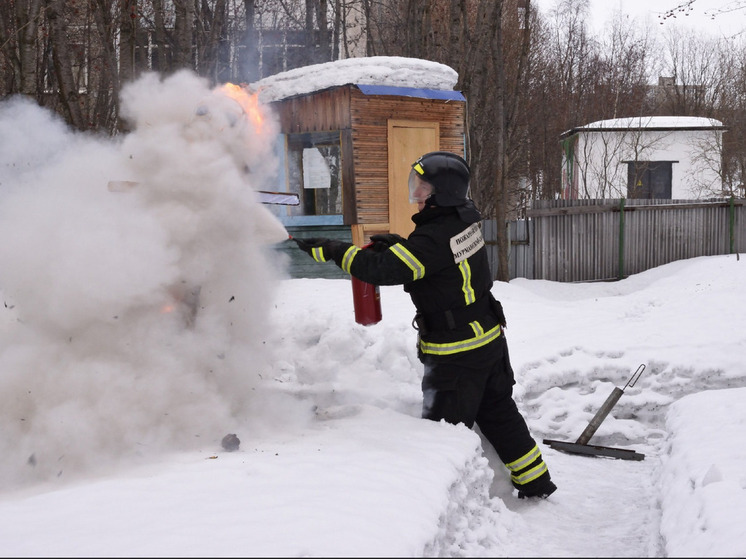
601	240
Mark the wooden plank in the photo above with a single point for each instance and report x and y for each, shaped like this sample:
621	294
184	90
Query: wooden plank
349	205
361	232
320	111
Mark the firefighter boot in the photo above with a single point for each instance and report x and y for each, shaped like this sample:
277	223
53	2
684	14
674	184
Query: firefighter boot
541	488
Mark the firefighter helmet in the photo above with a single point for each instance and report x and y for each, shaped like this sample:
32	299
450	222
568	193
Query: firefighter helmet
448	173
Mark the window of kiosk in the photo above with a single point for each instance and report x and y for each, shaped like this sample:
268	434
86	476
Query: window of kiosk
313	167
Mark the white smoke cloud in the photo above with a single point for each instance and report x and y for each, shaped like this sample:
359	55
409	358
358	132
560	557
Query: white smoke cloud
136	277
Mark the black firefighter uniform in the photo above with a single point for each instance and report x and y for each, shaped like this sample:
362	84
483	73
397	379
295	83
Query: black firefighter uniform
468	379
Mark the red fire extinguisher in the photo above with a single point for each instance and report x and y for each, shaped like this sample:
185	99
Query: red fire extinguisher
366	298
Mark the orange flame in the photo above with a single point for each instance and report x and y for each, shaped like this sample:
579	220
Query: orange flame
248	102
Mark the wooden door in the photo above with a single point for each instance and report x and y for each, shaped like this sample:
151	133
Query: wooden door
407	140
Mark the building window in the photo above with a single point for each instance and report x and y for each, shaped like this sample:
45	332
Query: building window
281	50
649	179
314	173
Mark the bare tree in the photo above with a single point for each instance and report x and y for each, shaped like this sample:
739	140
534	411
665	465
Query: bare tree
559	84
210	38
183	34
322	31
106	82
161	60
692	62
623	69
251	48
540	78
491	76
688	6
576	80
127	40
732	112
19	24
63	63
598	174
708	178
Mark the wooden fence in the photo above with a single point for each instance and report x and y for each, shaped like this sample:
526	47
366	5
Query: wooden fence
601	240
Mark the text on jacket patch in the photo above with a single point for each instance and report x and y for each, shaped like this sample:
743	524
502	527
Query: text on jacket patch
466	243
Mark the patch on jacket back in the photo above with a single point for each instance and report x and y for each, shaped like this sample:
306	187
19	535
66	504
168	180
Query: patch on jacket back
466	243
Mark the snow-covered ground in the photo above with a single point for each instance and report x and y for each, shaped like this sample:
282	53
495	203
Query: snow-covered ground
335	462
145	318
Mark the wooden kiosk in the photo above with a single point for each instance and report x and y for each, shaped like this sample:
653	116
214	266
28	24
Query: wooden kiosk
367	136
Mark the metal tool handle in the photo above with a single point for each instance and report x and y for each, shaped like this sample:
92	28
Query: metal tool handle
600	415
610	402
635	377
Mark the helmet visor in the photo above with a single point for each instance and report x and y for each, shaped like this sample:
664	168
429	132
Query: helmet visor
419	190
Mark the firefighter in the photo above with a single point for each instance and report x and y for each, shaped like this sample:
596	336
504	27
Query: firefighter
443	266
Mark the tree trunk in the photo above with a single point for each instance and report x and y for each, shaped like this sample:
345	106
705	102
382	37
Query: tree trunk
310	35
340	32
458	35
478	85
509	143
9	50
252	48
221	43
324	48
500	186
27	25
370	49
161	61
62	60
212	32
107	102
127	41
183	34
418	16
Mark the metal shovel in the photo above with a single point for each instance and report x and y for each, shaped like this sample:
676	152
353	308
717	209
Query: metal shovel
581	446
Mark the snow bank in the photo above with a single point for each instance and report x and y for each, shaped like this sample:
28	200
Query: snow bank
703	483
341	488
473	524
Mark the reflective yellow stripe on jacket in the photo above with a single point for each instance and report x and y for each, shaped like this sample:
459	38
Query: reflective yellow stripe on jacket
418	270
480	338
318	254
348	257
465	269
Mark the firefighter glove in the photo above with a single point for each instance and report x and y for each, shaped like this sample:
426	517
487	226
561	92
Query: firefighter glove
383	242
317	248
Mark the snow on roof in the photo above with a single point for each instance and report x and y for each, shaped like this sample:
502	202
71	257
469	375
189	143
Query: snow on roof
653	122
396	71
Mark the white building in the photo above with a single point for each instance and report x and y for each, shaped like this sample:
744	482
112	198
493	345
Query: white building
661	157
